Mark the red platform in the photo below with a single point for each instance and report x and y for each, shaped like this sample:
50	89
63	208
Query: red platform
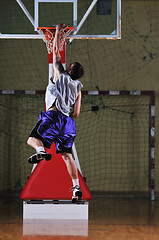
50	180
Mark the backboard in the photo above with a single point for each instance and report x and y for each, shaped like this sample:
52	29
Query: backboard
91	19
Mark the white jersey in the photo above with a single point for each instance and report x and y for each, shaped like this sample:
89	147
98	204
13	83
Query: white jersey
64	91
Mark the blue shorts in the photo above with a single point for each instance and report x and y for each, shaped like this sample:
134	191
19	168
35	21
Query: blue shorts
53	126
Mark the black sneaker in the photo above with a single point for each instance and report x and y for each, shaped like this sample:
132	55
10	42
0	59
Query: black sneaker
37	157
77	194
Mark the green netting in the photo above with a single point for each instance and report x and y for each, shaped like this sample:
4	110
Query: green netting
112	141
18	116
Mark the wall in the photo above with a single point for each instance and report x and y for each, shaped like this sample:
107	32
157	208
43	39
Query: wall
127	64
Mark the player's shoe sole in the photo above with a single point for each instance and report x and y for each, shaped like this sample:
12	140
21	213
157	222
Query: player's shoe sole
38	157
77	197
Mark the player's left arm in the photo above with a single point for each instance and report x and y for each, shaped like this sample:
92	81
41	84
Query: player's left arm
57	65
77	106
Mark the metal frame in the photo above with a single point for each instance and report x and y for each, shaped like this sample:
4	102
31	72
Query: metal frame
116	34
36	10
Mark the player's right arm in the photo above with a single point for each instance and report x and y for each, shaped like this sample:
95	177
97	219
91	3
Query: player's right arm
77	107
57	65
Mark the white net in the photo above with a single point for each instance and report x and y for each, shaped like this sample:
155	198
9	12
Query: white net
48	37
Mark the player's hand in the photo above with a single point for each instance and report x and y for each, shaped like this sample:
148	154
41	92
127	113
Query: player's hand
61	26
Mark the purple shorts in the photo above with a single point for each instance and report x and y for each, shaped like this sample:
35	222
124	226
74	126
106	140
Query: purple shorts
53	126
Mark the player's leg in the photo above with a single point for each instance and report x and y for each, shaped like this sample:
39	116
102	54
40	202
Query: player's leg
71	165
42	135
37	142
73	172
40	151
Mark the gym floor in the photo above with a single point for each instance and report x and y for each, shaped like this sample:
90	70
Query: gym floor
109	218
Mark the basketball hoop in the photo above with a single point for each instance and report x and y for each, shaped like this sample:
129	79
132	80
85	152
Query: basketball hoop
48	34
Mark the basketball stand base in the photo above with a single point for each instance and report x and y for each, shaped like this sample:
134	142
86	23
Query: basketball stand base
55	209
55	227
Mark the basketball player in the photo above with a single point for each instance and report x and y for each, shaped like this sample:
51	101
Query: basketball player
57	124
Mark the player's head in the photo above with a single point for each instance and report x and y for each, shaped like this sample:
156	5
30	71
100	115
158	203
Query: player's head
75	70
